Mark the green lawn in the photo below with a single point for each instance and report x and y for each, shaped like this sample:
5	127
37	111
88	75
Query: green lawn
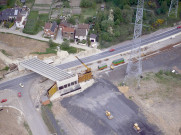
31	26
88	12
41	21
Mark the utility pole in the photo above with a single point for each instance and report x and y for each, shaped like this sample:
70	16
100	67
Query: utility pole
134	67
173	8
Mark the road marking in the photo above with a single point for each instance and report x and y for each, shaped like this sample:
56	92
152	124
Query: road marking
176	45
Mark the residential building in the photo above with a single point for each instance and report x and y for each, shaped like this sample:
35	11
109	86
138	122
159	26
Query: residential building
22	17
50	30
9	14
64	24
81	34
3	2
68	32
83	26
102	7
23	1
93	37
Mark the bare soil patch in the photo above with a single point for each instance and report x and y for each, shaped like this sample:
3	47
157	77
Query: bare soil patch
43	1
12	122
19	47
159	98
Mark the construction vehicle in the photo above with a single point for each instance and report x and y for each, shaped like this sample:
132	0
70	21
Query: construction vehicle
85	76
111	67
137	128
109	116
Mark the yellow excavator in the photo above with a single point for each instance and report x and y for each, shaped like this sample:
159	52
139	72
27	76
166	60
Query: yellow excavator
88	69
109	116
87	75
111	67
136	127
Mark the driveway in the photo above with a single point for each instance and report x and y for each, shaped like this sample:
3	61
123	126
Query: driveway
59	38
32	117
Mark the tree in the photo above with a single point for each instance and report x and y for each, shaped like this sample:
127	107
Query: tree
106	36
99	1
71	20
164	7
127	15
117	14
85	3
106	24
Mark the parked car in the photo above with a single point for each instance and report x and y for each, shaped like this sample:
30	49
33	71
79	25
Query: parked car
178	27
111	50
3	100
21	85
19	94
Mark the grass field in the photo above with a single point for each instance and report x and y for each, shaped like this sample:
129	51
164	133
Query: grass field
31	25
41	21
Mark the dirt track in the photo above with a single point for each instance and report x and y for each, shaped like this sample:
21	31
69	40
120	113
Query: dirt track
19	47
12	123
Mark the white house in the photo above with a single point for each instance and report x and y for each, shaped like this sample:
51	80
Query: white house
22	18
81	34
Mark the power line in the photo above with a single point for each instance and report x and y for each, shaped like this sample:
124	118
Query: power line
173	8
134	67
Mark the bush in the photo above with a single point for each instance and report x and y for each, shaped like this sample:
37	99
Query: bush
83	41
71	20
71	40
52	44
86	3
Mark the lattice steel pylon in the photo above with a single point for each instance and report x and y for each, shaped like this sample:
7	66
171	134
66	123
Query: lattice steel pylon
134	67
173	8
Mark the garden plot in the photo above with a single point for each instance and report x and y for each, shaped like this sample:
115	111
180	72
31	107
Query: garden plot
43	2
75	3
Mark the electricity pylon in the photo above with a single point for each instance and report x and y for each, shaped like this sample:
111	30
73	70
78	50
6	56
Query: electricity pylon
173	8
134	67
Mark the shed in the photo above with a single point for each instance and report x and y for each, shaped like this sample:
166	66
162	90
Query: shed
45	100
93	37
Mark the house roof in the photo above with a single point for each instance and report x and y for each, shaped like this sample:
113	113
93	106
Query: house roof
68	29
9	12
83	26
3	2
102	5
80	32
54	25
64	24
47	25
23	1
93	36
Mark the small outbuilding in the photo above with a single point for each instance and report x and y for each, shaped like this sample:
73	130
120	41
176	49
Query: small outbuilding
45	100
93	37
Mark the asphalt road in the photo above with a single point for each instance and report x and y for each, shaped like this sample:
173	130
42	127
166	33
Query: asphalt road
162	61
89	107
15	82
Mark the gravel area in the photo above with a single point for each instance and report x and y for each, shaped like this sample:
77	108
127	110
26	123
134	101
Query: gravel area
88	108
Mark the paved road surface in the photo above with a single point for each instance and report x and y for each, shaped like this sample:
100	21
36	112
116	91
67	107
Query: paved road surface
104	54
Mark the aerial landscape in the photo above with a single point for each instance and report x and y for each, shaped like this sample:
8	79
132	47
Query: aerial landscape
90	67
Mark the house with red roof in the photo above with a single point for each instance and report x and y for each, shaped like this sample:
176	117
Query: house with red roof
50	29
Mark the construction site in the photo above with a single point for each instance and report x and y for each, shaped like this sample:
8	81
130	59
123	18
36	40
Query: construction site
133	88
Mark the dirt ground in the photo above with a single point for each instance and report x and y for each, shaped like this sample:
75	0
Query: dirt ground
12	122
19	47
43	1
159	98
